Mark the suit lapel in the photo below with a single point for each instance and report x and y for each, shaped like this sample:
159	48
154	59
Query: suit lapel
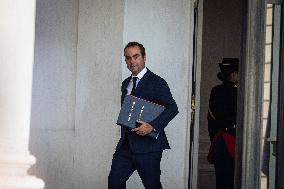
143	81
124	86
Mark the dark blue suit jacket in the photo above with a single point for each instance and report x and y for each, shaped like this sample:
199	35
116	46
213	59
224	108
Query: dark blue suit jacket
155	89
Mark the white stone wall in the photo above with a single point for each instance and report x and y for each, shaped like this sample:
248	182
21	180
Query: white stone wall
52	138
76	90
78	70
97	90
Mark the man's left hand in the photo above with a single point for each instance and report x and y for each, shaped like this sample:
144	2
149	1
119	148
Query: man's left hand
144	128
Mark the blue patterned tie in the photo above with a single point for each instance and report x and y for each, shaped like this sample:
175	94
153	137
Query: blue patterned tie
134	79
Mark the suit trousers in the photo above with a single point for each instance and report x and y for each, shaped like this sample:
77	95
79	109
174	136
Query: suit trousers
224	166
125	162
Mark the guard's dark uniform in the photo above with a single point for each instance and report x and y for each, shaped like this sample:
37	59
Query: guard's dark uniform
223	106
221	123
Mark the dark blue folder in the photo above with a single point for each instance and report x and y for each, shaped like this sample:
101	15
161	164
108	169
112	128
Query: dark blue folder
136	109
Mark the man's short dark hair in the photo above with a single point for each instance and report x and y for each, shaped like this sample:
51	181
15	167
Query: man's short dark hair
133	44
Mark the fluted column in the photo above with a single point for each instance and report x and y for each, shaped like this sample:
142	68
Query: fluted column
17	23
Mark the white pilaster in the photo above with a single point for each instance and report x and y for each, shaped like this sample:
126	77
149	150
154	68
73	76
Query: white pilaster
17	20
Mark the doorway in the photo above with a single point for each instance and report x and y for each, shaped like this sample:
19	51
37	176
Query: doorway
221	37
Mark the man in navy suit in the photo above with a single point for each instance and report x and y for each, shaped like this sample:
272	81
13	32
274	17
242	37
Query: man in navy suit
135	150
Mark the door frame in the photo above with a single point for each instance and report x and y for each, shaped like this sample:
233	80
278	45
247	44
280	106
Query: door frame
250	95
247	173
280	122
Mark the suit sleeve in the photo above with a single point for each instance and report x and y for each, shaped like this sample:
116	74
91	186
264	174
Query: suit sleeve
164	97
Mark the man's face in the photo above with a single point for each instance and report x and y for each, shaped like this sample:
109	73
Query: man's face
134	59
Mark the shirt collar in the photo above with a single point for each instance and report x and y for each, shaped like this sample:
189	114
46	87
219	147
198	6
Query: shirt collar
142	73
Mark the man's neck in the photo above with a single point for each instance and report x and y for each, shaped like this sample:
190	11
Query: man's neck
141	73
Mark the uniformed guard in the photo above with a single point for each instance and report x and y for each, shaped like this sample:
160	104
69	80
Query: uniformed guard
222	123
